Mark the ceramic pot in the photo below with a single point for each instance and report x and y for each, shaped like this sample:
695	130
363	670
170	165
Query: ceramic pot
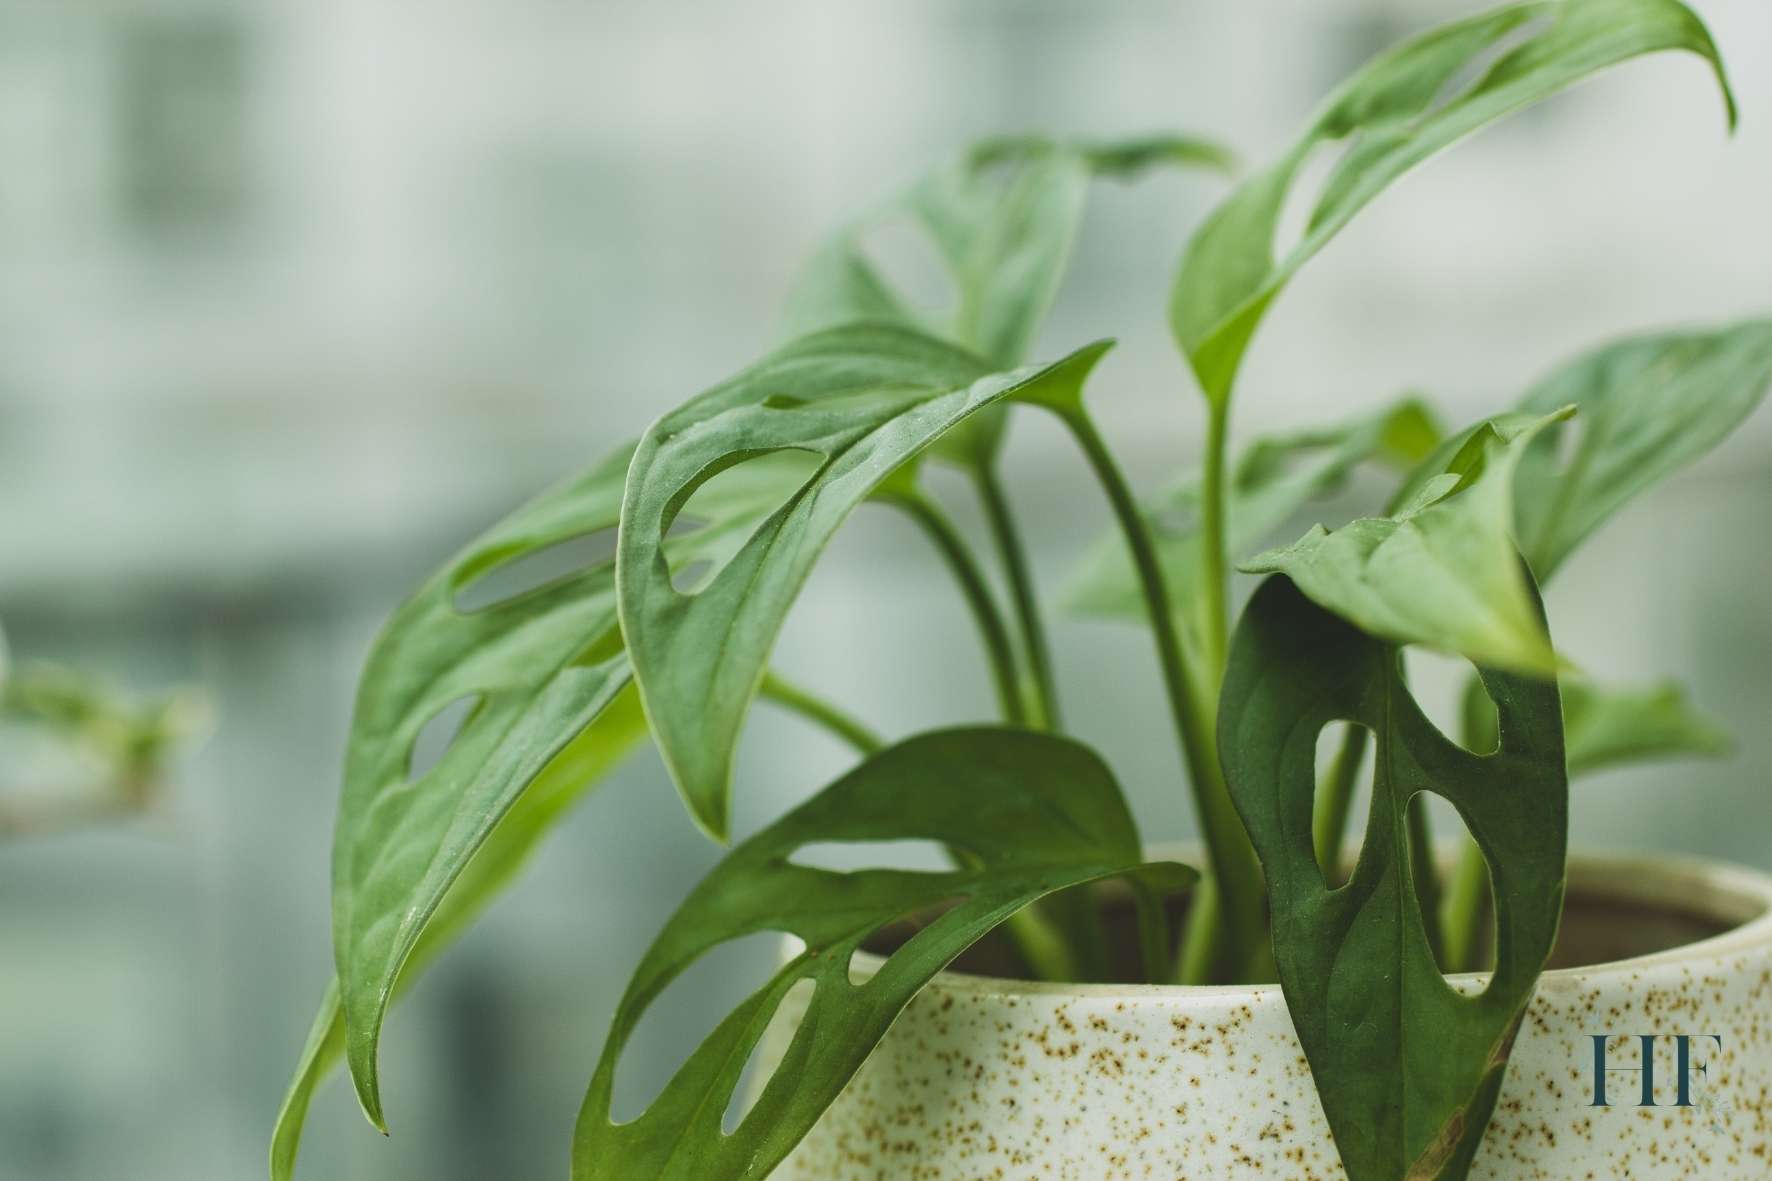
1007	1080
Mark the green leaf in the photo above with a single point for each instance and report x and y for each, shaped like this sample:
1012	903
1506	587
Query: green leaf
1273	479
1648	405
1607	727
580	766
1005	246
1442	569
1398	110
1407	1068
866	401
1033	813
1003	218
540	667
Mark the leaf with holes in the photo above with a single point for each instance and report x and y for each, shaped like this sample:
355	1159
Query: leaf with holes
1408	1068
1272	480
539	666
866	401
1442	568
507	848
1648	405
1033	814
1003	218
1403	107
1609	727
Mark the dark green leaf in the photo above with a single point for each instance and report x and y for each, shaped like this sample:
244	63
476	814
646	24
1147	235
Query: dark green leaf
1441	570
1403	107
1647	406
865	401
1032	814
539	667
580	766
1273	479
1606	727
1407	1068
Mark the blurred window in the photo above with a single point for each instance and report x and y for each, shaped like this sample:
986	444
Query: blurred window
181	92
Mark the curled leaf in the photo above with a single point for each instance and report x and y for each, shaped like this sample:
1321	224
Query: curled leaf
1442	568
1404	106
864	402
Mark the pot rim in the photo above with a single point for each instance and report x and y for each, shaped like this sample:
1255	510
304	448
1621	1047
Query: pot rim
1705	887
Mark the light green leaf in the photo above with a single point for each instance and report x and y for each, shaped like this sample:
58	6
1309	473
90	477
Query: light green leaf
1401	108
1272	480
865	401
1004	243
577	768
1408	1069
539	668
1607	727
1648	405
1442	569
1033	813
1003	218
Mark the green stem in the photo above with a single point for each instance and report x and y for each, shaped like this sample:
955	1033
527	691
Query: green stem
1214	617
815	709
977	591
1201	936
1193	703
1464	908
1426	874
1335	798
1153	929
1022	595
1466	903
1036	935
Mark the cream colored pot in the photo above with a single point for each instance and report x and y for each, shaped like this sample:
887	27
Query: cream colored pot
999	1080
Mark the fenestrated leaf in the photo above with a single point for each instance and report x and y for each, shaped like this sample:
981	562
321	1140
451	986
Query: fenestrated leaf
540	667
1033	814
865	400
1403	107
1607	727
1003	218
505	851
1272	480
1647	406
1442	568
1407	1068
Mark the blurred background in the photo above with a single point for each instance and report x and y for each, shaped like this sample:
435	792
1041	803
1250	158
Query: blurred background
297	297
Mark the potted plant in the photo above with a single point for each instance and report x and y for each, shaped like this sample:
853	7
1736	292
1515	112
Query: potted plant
1124	1019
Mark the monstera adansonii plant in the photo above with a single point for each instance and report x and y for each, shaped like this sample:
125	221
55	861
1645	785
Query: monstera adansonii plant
669	641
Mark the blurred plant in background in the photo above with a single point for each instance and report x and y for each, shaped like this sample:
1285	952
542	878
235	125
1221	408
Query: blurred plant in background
83	752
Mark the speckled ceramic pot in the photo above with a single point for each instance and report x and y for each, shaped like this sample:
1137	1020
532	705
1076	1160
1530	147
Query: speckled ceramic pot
997	1080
